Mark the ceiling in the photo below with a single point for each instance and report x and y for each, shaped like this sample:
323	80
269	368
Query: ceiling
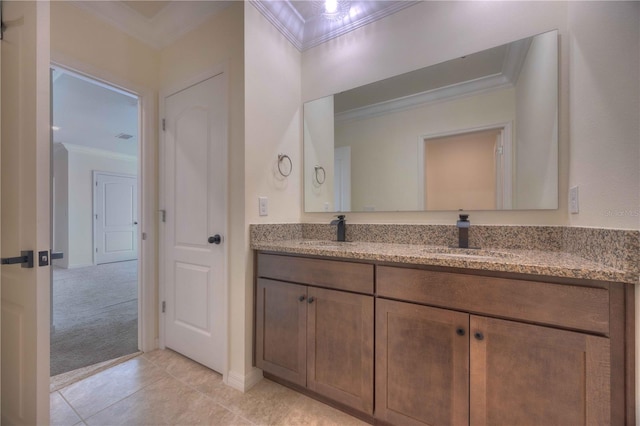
92	114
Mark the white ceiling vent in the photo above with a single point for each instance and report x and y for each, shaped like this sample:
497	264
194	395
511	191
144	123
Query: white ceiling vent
124	136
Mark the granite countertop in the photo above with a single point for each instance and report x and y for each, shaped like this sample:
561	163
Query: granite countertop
546	263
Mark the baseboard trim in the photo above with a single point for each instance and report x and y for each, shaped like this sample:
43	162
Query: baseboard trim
244	382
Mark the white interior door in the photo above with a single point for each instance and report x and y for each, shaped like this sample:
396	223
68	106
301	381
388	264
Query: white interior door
195	173
25	224
115	217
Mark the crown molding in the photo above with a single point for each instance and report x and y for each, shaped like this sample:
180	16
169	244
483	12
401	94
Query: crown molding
284	16
171	23
454	91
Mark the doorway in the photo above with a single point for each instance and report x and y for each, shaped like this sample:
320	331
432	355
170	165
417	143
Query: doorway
468	169
95	287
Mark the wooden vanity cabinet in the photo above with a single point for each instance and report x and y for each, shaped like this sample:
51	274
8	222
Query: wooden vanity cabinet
314	337
446	366
451	347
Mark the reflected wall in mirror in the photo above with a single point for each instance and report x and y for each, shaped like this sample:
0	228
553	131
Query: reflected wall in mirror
475	133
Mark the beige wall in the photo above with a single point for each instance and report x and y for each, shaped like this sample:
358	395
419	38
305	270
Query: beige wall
220	40
604	105
82	37
273	124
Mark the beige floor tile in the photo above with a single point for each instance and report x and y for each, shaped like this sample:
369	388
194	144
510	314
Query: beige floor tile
267	403
97	392
309	412
61	413
166	402
183	368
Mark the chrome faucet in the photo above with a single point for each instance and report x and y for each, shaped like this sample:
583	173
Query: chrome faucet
342	227
463	225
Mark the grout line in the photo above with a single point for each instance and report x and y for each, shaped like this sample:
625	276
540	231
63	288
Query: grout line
229	409
122	399
71	406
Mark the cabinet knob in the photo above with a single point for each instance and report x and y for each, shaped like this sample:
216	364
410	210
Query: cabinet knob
311	299
460	331
478	335
301	298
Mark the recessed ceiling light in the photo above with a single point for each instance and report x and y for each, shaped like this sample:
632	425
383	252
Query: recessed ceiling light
55	128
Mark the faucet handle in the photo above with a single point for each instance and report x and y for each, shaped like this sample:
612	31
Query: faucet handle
463	216
340	217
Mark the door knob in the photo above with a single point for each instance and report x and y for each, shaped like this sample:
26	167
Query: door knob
216	239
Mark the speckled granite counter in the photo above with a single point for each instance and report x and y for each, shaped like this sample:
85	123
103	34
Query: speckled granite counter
547	257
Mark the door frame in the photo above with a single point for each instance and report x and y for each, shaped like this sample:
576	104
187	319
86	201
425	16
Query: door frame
94	176
147	190
222	68
504	168
344	183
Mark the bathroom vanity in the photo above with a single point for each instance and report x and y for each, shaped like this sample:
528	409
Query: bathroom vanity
410	335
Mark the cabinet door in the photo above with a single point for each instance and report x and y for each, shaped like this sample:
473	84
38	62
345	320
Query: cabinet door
422	364
527	374
281	321
340	347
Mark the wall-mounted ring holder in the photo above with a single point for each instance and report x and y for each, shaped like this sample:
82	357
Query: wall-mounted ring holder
285	166
319	174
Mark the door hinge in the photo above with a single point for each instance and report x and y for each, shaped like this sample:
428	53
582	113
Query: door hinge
164	125
164	306
96	249
163	215
144	235
499	150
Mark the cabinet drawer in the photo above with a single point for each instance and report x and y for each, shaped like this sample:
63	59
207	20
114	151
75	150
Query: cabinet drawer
357	277
574	307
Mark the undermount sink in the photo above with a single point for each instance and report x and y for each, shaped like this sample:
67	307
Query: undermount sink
469	253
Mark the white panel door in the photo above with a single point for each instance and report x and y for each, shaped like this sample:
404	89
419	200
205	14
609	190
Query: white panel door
115	218
25	224
195	165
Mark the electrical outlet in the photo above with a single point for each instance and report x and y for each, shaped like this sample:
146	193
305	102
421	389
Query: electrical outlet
574	206
263	206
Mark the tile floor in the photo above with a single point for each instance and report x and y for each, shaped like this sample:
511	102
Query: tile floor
165	388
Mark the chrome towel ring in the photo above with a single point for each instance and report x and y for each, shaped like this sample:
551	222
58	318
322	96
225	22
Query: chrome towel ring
319	170
284	170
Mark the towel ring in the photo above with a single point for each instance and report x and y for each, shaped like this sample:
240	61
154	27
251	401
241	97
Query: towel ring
317	175
281	159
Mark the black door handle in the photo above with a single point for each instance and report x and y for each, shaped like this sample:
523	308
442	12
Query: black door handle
216	239
25	259
57	255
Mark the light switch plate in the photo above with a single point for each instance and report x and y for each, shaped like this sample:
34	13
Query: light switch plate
263	206
574	206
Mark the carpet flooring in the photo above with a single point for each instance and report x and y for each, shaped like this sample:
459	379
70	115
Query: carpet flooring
95	315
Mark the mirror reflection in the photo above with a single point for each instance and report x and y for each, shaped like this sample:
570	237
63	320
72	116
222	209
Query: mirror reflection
475	133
